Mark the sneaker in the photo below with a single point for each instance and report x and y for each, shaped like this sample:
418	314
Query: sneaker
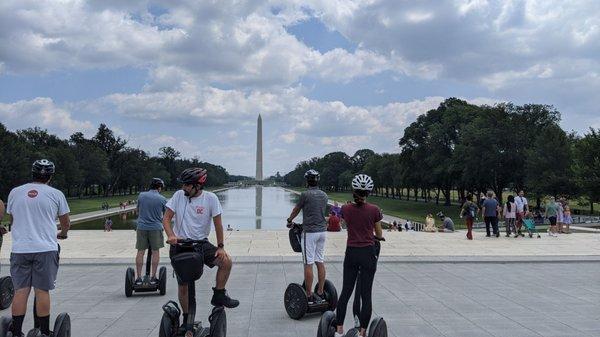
138	281
221	299
487	235
336	334
153	280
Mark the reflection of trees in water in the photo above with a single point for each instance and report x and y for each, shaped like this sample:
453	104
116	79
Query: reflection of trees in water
258	206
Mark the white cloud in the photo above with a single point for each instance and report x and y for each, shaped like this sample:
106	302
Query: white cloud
42	112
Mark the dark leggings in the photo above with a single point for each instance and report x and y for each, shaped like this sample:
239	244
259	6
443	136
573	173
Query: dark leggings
357	259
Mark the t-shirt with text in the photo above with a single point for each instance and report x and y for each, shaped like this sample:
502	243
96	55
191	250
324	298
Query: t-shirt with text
34	208
193	217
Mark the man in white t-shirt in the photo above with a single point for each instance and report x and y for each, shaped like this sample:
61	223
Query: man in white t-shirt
194	209
34	208
522	208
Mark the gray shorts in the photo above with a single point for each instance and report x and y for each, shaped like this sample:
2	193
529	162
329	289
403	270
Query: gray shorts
36	270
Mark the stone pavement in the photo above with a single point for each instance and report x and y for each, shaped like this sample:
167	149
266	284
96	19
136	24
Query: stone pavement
118	246
435	299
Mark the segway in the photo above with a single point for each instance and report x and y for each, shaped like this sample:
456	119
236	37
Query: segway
295	298
7	292
188	266
146	285
62	325
327	327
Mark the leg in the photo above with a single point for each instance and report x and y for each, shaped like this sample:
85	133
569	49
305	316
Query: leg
308	279
367	276
487	225
139	262
223	272
320	262
42	310
309	246
220	297
356	304
19	304
321	275
155	259
349	280
469	223
495	226
183	297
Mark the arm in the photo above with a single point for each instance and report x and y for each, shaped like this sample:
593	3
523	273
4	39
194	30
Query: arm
65	225
167	217
378	230
1	209
294	214
220	254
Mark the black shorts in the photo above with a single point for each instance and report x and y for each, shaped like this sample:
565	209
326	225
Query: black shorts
207	249
552	220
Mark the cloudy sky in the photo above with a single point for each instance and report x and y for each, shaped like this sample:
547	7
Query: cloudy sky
325	75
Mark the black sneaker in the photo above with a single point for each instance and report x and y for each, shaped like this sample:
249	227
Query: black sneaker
221	299
487	235
316	298
153	280
138	281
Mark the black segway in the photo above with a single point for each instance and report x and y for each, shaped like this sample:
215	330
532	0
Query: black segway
188	266
295	298
7	292
146	285
62	325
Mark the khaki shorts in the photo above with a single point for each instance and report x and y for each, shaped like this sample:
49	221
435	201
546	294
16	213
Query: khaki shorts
152	239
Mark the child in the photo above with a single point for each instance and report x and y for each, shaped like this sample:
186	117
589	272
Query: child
430	224
530	225
568	220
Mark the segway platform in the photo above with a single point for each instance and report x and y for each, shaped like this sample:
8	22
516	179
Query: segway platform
327	327
146	286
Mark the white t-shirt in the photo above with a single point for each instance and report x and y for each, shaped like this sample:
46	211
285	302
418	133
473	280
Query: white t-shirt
520	202
193	218
34	208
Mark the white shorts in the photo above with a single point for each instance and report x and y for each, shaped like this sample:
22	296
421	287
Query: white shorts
313	247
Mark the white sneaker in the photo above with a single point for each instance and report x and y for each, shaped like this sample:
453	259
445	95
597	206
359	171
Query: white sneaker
338	334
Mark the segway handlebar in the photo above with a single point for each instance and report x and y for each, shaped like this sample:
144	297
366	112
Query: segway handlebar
294	224
189	242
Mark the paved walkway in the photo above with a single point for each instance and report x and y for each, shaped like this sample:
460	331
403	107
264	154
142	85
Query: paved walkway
479	300
119	244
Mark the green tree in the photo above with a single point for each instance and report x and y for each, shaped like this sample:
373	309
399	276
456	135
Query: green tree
587	166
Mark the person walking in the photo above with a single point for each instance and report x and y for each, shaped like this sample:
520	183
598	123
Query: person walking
364	227
560	217
149	233
510	216
551	213
34	208
469	211
490	214
312	203
522	209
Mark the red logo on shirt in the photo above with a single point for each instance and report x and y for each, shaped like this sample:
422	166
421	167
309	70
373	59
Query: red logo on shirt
32	193
199	210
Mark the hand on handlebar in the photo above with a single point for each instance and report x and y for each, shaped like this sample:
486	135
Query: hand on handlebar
172	240
380	239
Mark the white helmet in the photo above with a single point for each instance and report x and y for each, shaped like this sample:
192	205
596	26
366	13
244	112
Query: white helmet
362	182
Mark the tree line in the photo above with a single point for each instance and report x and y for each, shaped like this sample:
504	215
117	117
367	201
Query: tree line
461	148
101	165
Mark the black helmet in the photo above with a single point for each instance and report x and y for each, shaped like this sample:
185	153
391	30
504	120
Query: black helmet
156	183
193	176
312	175
441	215
42	168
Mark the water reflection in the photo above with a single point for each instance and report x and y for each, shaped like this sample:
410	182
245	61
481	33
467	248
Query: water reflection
258	206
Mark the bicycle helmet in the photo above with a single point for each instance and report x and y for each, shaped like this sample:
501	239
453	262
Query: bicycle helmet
193	176
42	168
156	183
312	175
362	182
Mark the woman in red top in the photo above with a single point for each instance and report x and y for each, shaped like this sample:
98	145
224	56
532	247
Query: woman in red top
362	220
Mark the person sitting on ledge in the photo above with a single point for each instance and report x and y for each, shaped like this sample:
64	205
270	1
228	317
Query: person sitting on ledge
430	224
447	223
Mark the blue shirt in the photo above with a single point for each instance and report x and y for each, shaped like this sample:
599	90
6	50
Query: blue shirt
151	206
490	205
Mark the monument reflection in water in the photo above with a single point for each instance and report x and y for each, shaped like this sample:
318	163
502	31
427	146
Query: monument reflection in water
257	207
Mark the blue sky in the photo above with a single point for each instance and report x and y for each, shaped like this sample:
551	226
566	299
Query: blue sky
325	75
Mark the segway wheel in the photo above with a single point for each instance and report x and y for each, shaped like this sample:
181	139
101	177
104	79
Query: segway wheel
326	325
7	292
330	294
4	325
62	325
167	329
218	322
377	328
162	281
295	301
352	333
129	279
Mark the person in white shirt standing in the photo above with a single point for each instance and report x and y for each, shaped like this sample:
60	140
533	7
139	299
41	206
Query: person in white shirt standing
194	209
34	208
522	208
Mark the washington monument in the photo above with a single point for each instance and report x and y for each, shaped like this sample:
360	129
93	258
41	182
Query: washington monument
259	157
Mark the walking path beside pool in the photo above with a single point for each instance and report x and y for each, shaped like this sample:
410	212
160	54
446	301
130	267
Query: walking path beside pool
273	245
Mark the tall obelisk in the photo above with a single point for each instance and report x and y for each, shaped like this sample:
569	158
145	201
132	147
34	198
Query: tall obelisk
259	153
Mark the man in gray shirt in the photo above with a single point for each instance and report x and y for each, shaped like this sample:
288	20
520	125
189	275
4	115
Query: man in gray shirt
151	206
490	214
312	203
447	223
